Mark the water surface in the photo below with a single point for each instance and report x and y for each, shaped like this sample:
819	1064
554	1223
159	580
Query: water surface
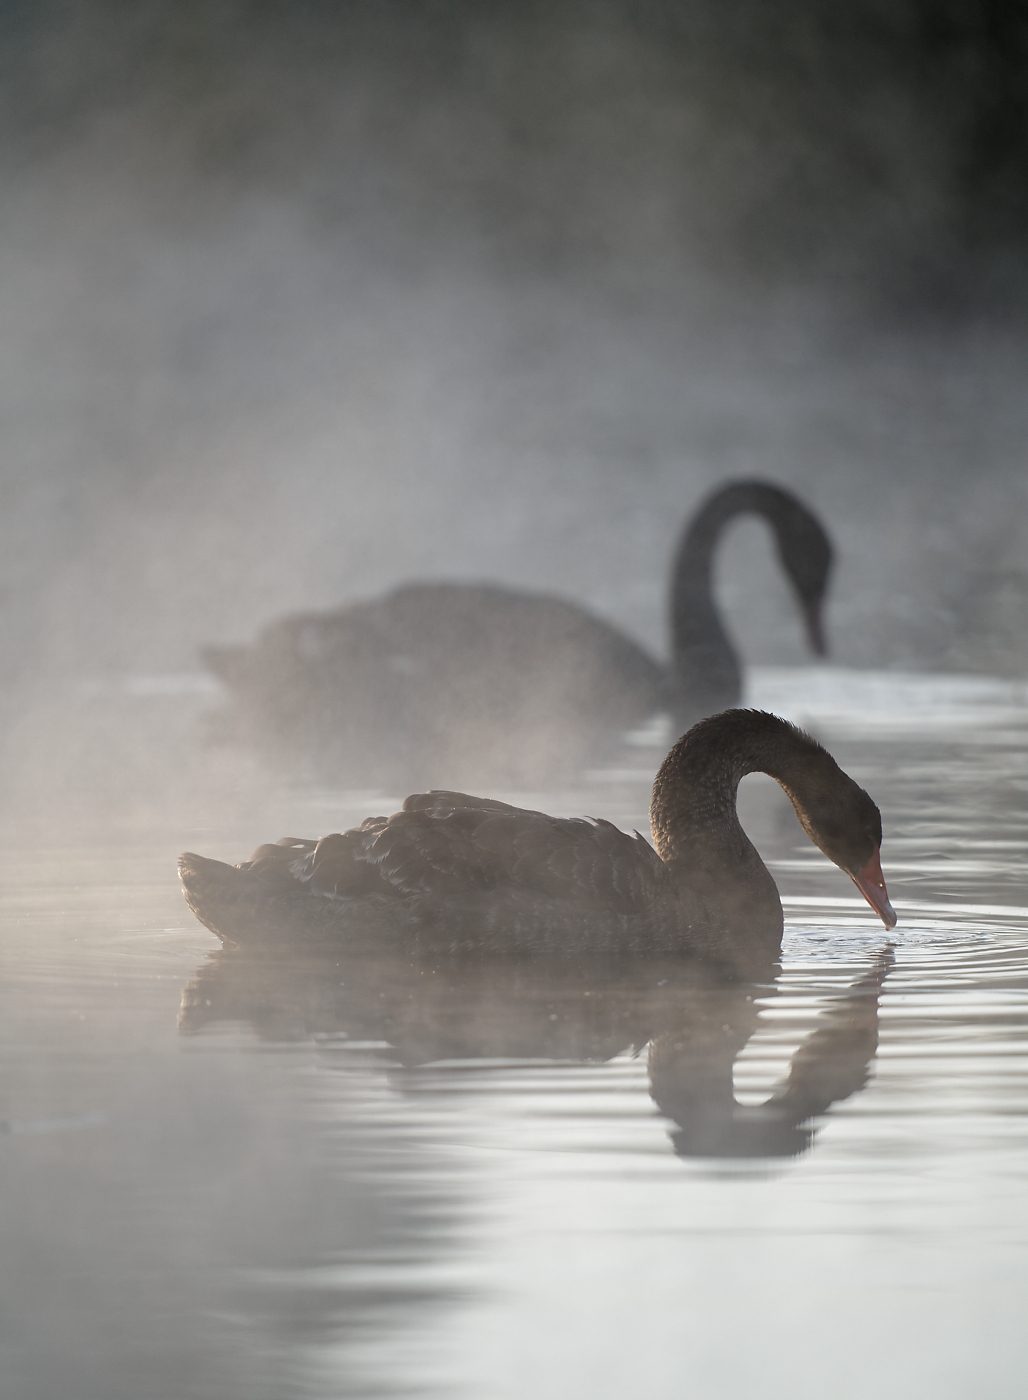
229	1177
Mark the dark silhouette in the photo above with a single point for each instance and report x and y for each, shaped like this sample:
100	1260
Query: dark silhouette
693	1023
476	680
455	874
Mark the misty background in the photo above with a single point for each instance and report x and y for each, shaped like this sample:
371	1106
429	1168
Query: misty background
304	300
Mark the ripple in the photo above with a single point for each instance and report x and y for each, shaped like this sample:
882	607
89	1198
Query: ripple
710	1186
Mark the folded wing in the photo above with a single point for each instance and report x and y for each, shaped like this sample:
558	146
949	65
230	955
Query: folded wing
444	844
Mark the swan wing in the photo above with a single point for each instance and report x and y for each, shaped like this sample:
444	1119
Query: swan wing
444	845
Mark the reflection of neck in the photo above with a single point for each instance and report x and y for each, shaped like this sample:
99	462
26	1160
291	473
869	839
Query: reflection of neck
691	1061
705	670
691	1066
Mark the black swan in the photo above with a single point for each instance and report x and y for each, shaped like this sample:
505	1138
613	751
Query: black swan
438	679
454	874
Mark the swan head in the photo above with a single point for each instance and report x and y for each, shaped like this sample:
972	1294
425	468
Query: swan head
844	822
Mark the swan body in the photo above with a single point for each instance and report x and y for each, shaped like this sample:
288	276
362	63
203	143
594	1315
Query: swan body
456	874
435	679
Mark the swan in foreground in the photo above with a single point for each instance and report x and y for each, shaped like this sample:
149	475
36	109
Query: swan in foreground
455	874
469	679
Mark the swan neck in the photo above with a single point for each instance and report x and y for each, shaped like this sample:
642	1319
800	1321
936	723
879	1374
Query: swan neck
703	658
695	790
695	824
694	616
693	806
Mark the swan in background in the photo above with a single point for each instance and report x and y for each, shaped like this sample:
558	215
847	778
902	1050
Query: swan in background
471	680
453	874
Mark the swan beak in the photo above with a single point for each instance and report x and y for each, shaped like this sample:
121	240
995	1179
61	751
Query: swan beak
871	883
815	628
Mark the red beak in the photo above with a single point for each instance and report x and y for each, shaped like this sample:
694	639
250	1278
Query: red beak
871	883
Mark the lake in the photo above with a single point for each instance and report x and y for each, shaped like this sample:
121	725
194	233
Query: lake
228	1176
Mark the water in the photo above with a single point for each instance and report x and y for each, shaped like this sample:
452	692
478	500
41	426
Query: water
228	1178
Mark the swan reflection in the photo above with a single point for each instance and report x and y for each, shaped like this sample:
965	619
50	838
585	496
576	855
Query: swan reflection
691	1024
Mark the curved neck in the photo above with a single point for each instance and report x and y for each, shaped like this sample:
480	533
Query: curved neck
705	667
693	816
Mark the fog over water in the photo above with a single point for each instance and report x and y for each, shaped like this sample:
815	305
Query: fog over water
302	301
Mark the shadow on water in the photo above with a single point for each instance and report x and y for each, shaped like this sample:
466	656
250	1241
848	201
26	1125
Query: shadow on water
692	1025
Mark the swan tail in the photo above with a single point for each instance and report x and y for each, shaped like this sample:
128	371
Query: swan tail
214	891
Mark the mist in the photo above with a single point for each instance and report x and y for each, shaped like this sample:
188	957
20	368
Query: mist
302	302
305	301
